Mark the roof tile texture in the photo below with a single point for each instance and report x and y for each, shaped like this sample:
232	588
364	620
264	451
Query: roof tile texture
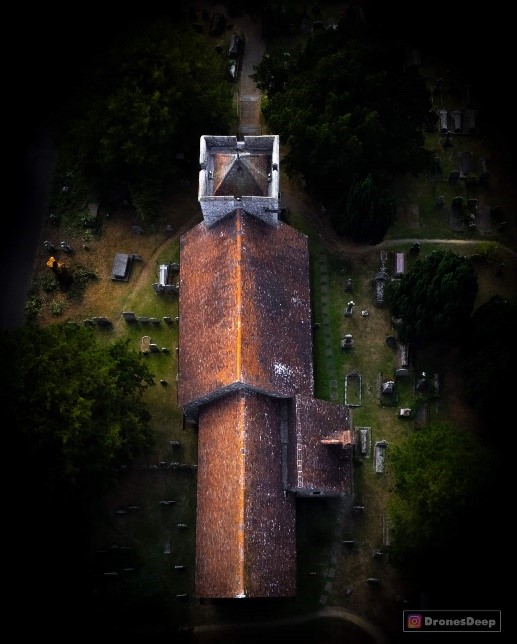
327	468
245	536
244	307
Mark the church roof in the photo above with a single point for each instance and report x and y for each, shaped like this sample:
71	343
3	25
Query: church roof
245	535
321	465
244	304
241	174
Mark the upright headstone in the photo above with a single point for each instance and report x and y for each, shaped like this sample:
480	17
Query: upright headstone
466	162
129	317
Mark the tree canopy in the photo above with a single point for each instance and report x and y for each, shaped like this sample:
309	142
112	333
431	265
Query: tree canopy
75	408
444	483
347	109
434	299
368	213
139	112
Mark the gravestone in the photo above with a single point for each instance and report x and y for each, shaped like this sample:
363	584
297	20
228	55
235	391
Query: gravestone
404	356
454	176
121	267
456	119
469	121
472	205
391	341
466	163
379	455
442	114
102	322
167	319
388	388
129	317
422	385
399	264
483	172
440	201
347	341
349	286
364	440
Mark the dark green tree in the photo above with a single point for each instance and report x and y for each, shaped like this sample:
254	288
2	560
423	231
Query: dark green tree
347	109
139	112
445	482
368	213
435	299
75	407
487	360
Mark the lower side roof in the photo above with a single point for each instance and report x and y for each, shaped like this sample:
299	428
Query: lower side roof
245	532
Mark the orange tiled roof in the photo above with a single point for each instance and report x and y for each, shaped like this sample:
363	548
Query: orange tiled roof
316	465
245	534
244	306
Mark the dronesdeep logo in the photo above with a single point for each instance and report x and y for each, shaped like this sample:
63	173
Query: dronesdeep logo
453	621
414	620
